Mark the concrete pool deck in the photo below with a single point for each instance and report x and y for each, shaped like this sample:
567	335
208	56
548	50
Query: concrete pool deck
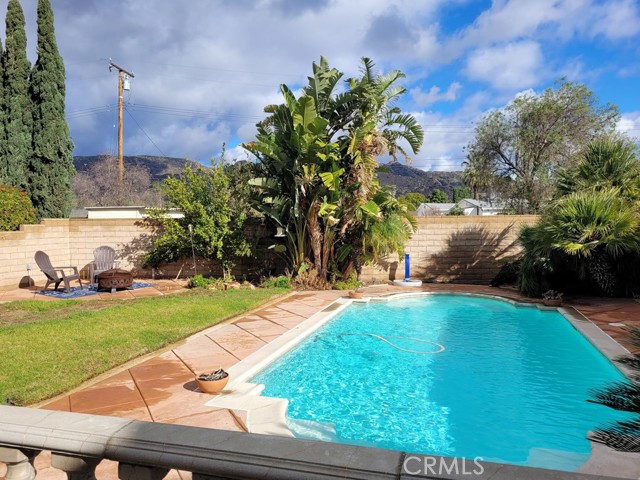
160	388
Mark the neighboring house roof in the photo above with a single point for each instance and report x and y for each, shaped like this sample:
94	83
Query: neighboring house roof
426	209
472	202
78	213
126	212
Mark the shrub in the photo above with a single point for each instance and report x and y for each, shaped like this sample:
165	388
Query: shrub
350	283
211	283
15	208
277	282
199	281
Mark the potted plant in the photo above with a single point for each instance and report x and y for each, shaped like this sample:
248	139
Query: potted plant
212	382
552	298
357	293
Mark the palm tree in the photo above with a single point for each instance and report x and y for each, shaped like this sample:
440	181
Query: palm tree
624	396
607	162
478	173
318	155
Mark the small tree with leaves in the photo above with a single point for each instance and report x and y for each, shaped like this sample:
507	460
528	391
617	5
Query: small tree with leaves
211	228
437	196
460	193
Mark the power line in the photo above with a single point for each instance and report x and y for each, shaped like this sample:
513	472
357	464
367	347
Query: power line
145	133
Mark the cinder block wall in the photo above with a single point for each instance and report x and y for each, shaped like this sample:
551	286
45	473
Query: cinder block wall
443	249
464	249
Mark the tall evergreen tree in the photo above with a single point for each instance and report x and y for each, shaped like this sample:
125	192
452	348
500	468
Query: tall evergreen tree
4	179
51	167
16	145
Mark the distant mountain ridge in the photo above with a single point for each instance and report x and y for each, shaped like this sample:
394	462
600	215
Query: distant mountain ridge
410	179
404	177
160	168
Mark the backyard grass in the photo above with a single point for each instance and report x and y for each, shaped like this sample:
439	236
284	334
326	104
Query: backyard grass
47	348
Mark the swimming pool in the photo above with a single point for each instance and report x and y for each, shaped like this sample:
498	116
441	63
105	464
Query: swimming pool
510	385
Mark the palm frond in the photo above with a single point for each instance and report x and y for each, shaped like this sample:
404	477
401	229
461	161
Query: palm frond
622	436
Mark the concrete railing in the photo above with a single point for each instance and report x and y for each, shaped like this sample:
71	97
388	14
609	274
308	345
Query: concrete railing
146	450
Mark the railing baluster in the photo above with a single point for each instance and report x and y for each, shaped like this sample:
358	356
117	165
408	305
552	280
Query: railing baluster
127	471
19	463
76	468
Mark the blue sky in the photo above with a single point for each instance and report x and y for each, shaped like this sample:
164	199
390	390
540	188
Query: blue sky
206	68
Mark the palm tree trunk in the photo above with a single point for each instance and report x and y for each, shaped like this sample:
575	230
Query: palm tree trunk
316	237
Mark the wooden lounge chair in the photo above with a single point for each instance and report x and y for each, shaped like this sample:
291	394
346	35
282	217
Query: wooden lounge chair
56	275
104	258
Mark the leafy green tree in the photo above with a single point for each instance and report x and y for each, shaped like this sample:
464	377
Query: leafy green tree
317	157
623	396
210	228
437	196
51	167
534	136
15	208
16	143
460	193
412	200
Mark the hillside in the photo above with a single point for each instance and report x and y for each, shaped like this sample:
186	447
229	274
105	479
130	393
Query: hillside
409	179
405	178
159	167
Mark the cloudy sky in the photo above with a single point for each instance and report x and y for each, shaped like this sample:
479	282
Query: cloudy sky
204	69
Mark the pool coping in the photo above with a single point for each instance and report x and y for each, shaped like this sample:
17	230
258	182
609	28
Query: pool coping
269	417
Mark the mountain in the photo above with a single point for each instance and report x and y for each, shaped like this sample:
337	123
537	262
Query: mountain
409	179
404	177
159	167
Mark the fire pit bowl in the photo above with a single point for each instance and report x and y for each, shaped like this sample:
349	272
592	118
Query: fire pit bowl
114	279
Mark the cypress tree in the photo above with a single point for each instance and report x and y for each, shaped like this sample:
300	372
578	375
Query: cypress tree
51	167
4	178
17	107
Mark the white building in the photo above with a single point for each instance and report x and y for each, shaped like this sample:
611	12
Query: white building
468	205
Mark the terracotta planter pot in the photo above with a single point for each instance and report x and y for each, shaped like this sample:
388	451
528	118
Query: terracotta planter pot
552	302
212	386
357	295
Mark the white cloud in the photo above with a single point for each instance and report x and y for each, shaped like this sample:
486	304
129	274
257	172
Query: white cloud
617	20
209	68
434	94
629	124
509	67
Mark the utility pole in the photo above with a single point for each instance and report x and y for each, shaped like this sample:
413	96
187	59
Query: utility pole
123	75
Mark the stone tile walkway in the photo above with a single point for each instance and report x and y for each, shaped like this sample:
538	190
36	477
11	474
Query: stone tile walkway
162	388
158	287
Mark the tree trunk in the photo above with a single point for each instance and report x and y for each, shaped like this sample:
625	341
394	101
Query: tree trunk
315	237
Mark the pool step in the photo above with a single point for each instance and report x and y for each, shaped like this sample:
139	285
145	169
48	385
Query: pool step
265	415
312	430
556	459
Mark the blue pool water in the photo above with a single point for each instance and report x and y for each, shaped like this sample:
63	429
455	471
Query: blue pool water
510	386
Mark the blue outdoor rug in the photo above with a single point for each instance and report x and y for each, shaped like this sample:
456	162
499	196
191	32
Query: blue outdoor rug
85	291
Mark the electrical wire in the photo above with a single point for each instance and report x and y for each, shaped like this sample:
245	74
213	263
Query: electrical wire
145	133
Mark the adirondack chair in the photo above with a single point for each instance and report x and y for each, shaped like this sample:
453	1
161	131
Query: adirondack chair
56	275
104	258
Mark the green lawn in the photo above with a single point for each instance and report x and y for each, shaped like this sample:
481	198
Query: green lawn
47	348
